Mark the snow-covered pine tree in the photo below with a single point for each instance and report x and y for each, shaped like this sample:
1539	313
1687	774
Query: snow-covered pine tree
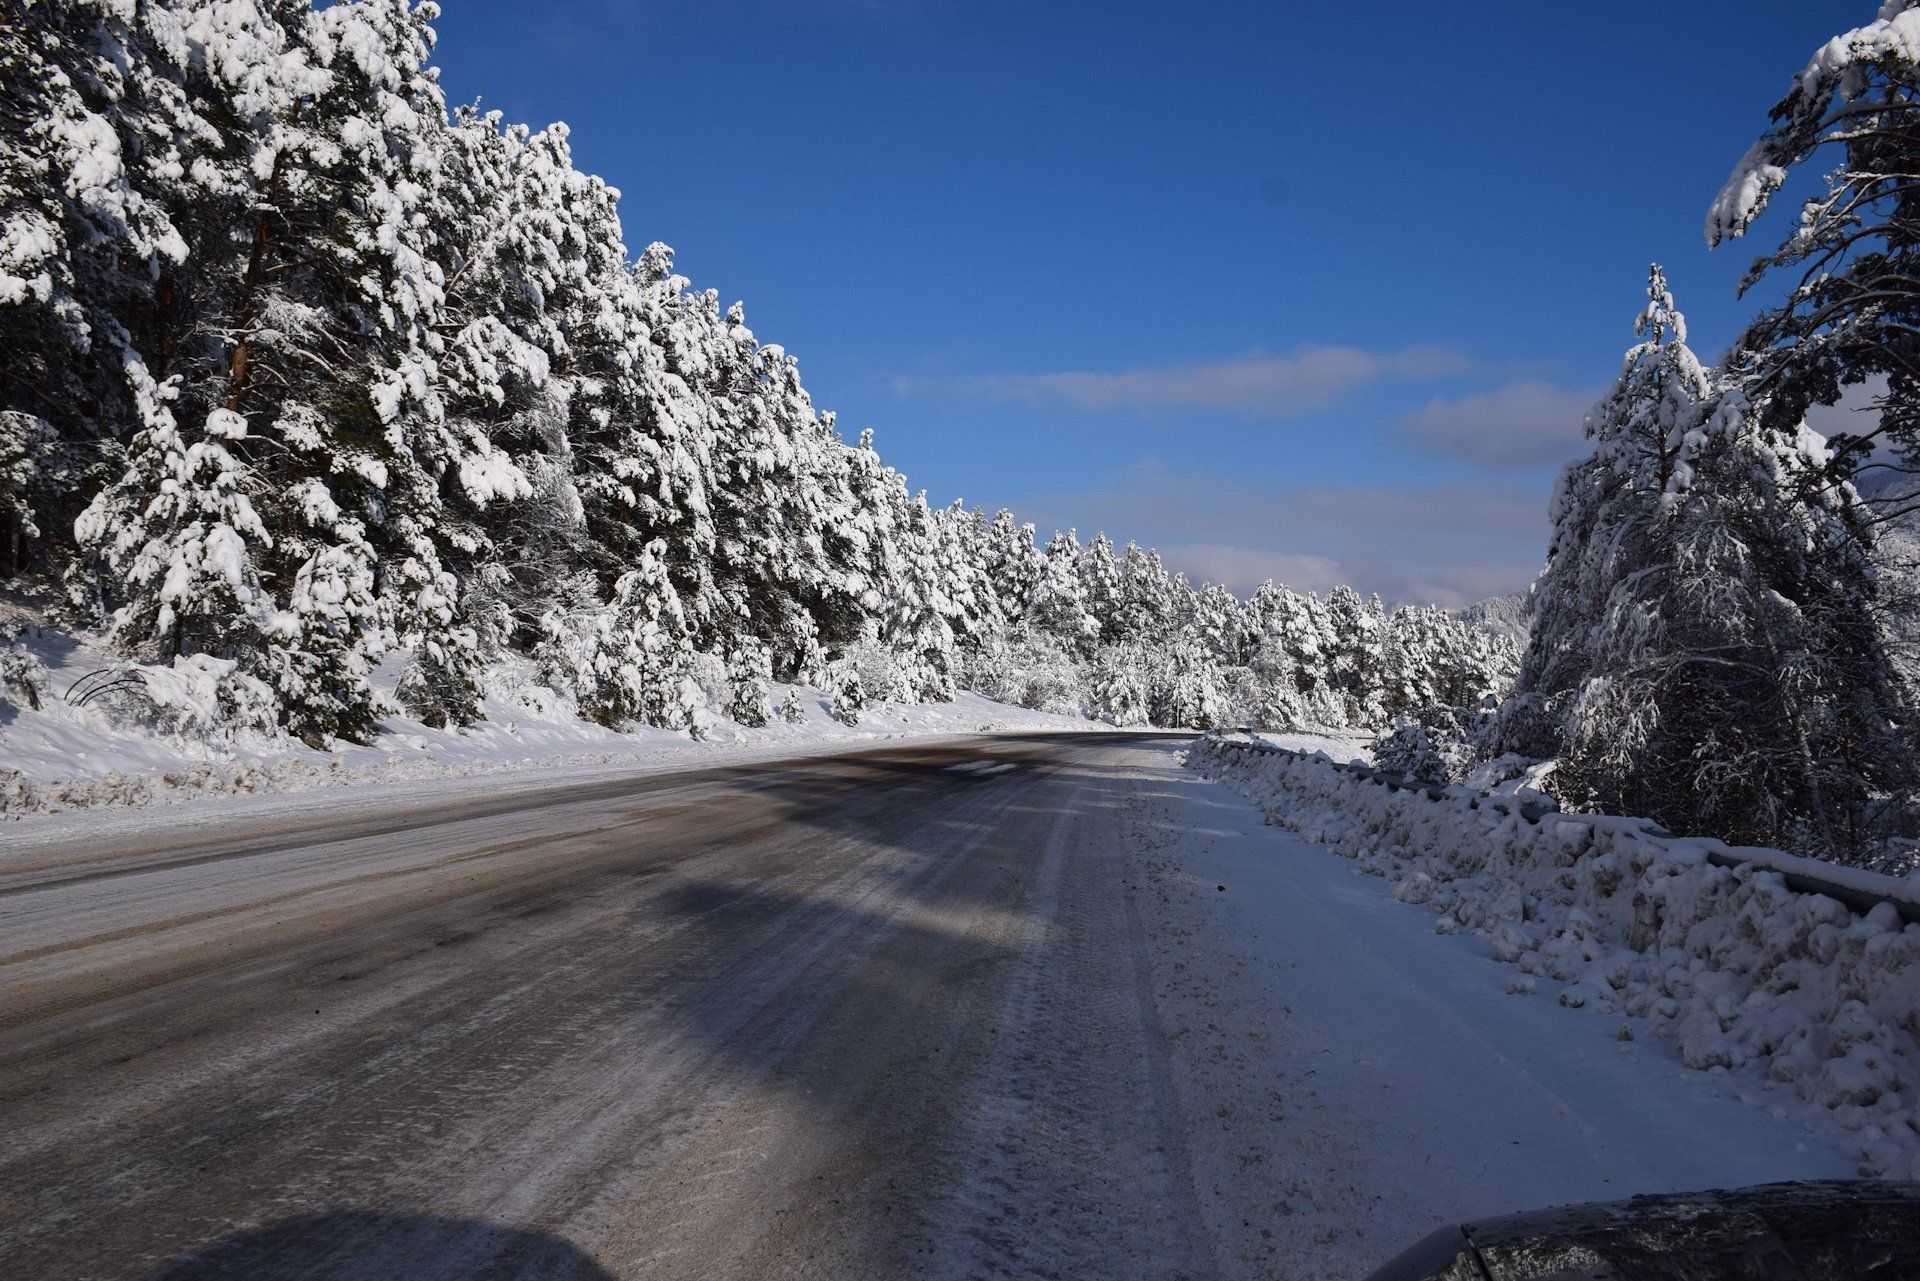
317	655
360	200
1851	263
1013	564
1606	510
1415	657
1296	651
849	695
1119	689
631	661
1057	606
749	669
919	623
180	533
95	136
641	433
1479	668
1273	697
23	437
1184	690
1222	627
876	497
1146	597
1100	585
1355	666
761	519
965	550
520	254
1740	682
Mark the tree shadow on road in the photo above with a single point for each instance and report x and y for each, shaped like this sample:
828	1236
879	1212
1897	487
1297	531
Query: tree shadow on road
820	953
375	1245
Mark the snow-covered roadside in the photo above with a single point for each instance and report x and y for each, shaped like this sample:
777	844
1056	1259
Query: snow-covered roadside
1340	746
74	753
1798	1003
1349	1080
408	750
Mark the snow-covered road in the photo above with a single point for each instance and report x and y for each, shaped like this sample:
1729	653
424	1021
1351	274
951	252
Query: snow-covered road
1014	1007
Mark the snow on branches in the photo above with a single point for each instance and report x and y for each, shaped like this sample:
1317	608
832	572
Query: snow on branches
363	375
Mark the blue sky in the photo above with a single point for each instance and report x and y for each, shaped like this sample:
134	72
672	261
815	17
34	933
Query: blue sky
1316	292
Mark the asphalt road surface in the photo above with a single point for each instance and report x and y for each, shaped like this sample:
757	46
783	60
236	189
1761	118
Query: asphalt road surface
877	1014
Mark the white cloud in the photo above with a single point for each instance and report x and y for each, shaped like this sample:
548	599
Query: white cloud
1244	568
1445	544
1520	426
1854	413
1256	386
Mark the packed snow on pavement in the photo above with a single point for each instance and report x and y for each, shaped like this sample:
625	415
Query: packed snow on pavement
1339	1078
1788	999
1353	1079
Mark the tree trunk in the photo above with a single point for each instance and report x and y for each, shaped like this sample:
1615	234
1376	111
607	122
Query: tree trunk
237	363
249	301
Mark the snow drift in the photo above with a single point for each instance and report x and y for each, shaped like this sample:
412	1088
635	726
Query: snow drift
1742	973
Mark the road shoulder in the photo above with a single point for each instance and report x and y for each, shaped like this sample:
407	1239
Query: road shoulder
1350	1080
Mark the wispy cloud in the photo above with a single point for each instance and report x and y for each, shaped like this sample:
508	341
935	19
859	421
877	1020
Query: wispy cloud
1260	385
1244	568
1448	544
1523	425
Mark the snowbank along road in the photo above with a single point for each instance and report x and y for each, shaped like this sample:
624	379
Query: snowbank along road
1016	1006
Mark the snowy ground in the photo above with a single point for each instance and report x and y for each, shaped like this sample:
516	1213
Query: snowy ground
1340	746
102	754
1797	1000
1352	1080
1022	1007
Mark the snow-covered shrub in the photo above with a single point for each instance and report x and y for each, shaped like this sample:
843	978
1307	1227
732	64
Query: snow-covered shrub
1514	775
749	669
1524	725
1182	692
882	676
428	688
1117	692
792	710
711	679
563	655
986	666
1727	963
209	699
1432	744
518	683
704	691
849	695
23	677
1038	672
